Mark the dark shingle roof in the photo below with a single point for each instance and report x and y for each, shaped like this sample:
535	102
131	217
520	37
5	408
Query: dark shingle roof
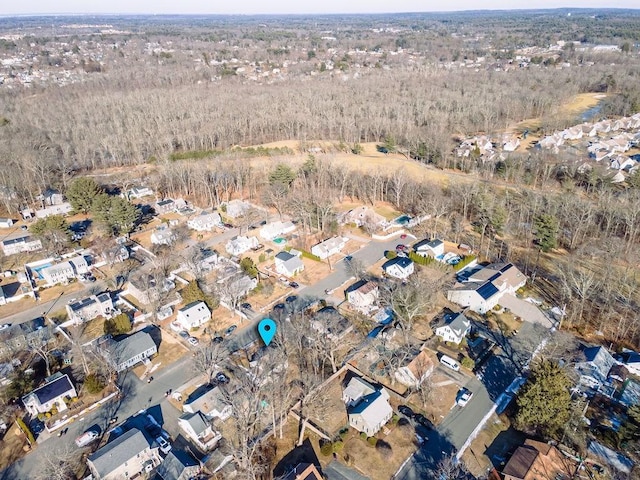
487	290
174	465
520	462
53	389
338	471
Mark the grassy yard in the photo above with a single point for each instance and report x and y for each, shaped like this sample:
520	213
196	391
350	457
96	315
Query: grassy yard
170	350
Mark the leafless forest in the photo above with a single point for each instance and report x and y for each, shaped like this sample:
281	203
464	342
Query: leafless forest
177	95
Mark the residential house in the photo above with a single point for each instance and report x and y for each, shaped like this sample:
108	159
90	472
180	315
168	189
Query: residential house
164	206
205	221
363	296
371	412
415	370
139	192
146	289
51	197
6	373
572	133
221	461
6	223
355	390
398	267
363	217
58	273
331	323
193	315
432	248
53	393
25	243
199	430
455	329
618	463
303	471
329	247
235	286
115	254
288	263
178	465
61	209
551	142
131	350
538	461
481	289
90	307
338	471
631	360
594	370
276	229
209	401
162	236
237	208
510	143
620	162
238	245
130	455
21	335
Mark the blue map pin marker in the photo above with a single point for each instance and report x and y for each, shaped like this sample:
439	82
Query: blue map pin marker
267	330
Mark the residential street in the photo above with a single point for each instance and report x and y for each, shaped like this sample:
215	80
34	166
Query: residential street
499	371
137	395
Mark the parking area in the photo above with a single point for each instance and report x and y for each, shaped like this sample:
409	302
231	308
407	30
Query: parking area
525	310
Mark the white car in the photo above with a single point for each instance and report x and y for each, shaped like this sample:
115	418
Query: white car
463	397
165	447
4	326
193	341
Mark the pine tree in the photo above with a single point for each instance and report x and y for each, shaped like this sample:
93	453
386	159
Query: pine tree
546	226
81	193
53	232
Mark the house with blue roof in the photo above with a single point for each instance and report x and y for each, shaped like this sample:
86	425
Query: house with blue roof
399	267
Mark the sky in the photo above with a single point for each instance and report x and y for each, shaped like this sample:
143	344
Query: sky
30	7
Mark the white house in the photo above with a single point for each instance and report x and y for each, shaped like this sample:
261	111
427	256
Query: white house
455	329
288	263
164	206
90	307
6	223
368	409
58	273
131	455
199	429
140	192
131	350
57	387
329	247
61	209
415	370
482	289
276	229
594	370
209	401
431	248
162	236
363	296
510	143
25	243
363	216
398	267
193	315
205	222
238	245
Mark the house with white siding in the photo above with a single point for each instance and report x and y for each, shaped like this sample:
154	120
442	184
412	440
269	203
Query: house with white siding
25	243
329	247
205	221
193	315
276	229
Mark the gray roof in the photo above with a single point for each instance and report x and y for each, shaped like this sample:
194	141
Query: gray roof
284	256
197	421
131	346
338	471
206	401
119	451
175	463
459	324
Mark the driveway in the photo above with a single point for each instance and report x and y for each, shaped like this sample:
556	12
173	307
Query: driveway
525	310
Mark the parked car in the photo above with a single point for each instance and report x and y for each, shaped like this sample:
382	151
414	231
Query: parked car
165	447
422	420
278	306
291	298
463	397
36	426
401	248
86	438
230	330
227	225
193	341
184	334
406	411
245	306
294	285
222	378
217	339
4	326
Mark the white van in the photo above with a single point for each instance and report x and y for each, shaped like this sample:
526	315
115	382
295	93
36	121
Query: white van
86	438
450	362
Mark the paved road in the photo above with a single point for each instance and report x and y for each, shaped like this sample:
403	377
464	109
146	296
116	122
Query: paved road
138	395
499	371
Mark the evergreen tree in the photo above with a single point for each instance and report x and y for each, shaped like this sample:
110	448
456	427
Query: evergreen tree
282	175
53	232
115	214
546	226
544	403
81	193
248	267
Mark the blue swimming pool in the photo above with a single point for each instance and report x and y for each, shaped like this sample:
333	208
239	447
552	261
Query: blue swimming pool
41	267
402	220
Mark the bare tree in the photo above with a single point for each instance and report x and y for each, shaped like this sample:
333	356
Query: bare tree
208	358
